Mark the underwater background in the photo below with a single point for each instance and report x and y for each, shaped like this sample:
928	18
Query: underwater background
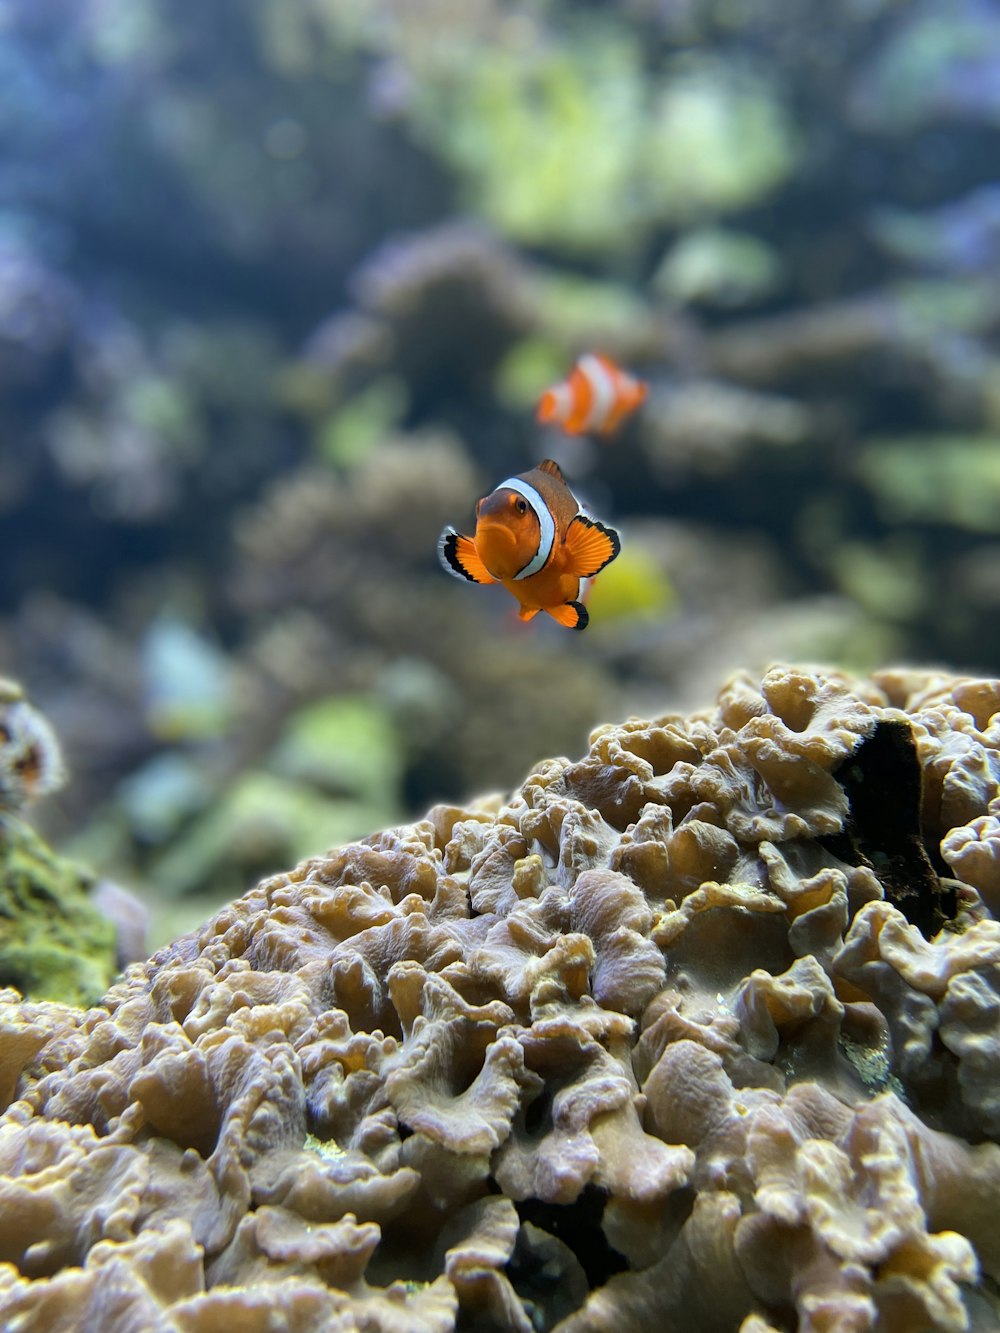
280	285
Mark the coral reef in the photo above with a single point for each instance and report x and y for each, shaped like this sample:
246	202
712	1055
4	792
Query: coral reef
697	1031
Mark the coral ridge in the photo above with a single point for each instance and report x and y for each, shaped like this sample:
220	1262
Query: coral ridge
655	1042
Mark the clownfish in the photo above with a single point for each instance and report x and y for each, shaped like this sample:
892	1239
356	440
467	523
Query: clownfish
532	538
596	397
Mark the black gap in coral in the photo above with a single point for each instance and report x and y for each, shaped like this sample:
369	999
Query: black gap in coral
578	1225
537	1112
882	781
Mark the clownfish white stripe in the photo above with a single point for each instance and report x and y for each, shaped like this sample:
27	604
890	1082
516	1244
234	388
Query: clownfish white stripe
546	525
562	401
602	386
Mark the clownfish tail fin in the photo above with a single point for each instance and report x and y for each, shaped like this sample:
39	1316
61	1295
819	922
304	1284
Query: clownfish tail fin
460	558
573	615
590	546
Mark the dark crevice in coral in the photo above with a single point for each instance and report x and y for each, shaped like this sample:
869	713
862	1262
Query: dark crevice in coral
537	1112
547	1290
781	1317
578	1226
882	781
478	1321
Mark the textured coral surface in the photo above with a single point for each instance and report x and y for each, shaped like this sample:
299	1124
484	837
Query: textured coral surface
699	1032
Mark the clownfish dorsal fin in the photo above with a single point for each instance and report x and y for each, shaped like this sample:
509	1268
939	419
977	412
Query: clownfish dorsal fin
552	468
573	615
459	556
590	546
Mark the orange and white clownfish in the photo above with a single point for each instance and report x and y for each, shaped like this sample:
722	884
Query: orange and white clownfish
532	538
596	397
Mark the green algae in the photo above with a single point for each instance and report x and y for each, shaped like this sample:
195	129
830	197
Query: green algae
158	404
887	579
528	368
545	141
929	306
574	144
260	824
350	433
718	266
578	312
633	587
333	775
719	140
344	745
938	479
54	944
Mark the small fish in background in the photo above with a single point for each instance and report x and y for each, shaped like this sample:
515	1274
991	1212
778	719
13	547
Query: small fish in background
532	537
596	397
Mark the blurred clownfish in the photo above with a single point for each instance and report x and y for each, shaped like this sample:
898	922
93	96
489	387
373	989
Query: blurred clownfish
532	538
596	397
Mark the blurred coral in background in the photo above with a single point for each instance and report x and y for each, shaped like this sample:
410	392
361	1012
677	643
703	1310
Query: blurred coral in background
279	288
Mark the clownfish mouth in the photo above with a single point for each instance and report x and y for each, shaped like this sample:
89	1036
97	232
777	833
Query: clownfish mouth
499	548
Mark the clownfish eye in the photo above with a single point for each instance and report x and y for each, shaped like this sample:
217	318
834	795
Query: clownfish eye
521	505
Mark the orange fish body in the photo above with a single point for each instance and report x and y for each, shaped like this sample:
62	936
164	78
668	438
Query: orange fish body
595	398
532	538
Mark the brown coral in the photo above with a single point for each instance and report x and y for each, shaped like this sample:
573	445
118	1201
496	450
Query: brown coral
669	1039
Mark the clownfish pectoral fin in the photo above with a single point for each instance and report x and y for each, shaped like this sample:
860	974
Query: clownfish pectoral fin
459	556
527	612
552	468
573	615
590	546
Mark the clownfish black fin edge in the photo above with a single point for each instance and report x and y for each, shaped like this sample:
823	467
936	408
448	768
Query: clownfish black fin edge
591	545
459	557
574	615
